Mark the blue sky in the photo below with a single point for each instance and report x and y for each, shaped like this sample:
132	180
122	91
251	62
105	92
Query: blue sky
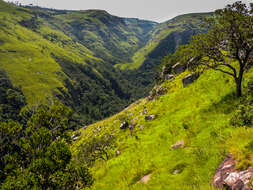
156	10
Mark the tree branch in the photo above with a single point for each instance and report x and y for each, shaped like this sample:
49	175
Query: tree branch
217	69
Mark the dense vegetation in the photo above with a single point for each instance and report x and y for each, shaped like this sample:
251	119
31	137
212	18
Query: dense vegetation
35	153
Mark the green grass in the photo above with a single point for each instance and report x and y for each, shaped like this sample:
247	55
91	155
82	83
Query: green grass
199	114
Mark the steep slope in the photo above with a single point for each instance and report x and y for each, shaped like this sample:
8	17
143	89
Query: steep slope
165	38
65	54
198	114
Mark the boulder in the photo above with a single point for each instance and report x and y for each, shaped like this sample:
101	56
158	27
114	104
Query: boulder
168	77
190	79
226	176
124	125
149	117
178	68
178	144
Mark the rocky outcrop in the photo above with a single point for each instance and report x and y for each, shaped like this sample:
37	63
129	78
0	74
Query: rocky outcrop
192	62
178	68
156	92
228	177
190	79
168	77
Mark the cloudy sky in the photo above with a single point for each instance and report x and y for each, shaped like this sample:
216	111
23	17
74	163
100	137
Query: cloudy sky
156	10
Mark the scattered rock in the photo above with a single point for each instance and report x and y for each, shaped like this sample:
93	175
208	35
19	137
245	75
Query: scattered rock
178	68
145	111
178	144
168	77
145	179
190	79
131	114
176	172
124	125
117	152
76	136
141	127
149	117
156	92
131	129
227	176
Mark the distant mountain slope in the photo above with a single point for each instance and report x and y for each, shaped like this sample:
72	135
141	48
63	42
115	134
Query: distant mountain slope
111	38
165	38
48	54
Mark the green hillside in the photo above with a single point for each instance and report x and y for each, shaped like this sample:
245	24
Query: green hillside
199	114
165	38
69	55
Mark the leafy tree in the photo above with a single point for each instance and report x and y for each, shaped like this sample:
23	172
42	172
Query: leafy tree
36	155
229	40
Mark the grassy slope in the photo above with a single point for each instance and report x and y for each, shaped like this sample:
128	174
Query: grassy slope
111	38
160	32
26	55
30	52
204	107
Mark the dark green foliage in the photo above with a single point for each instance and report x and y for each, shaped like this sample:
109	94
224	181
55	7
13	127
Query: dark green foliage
36	155
11	99
85	94
96	148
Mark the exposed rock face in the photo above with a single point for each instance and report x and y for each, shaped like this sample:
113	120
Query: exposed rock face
190	79
227	176
149	117
155	92
124	125
168	77
178	144
192	62
178	68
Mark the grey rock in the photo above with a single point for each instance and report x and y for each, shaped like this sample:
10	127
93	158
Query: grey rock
178	68
178	144
190	79
168	77
149	117
117	152
124	125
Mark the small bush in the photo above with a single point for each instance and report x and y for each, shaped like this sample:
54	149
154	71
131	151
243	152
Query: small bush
243	116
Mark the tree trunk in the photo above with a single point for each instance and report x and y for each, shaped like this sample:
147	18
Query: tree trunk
238	81
238	88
